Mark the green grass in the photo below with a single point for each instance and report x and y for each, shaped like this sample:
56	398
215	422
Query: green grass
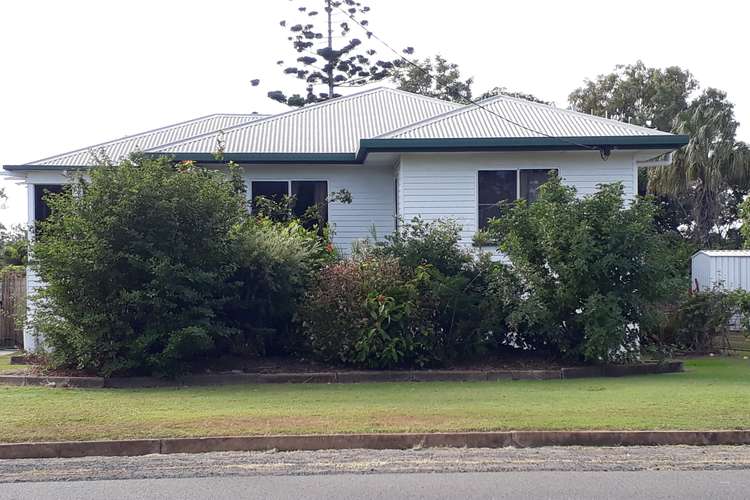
714	393
7	369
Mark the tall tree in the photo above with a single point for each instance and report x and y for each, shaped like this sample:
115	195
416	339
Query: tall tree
712	169
439	78
330	55
634	93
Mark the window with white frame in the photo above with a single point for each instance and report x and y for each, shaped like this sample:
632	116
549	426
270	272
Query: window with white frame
497	186
306	194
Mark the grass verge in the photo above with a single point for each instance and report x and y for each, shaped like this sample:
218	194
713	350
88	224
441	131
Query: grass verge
7	369
713	393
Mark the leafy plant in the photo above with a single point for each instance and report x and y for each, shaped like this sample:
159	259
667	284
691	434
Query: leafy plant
590	269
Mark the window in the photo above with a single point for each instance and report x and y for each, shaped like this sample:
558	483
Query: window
306	194
41	209
531	180
309	194
496	186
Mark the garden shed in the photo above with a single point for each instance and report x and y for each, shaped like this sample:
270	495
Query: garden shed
726	269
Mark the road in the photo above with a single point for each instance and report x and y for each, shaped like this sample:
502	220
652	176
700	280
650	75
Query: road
555	472
500	485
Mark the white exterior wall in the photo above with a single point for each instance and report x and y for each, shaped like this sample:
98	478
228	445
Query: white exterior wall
729	272
372	189
445	186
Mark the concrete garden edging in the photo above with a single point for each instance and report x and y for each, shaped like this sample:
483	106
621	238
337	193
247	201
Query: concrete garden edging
344	377
517	439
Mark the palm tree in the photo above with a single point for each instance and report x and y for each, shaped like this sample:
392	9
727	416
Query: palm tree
713	165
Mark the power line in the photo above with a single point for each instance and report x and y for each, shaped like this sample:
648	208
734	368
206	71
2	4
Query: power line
457	94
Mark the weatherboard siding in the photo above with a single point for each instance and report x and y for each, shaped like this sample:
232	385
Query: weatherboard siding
373	197
445	186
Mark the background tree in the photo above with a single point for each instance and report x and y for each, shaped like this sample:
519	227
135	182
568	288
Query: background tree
439	79
713	170
520	95
700	193
330	55
634	93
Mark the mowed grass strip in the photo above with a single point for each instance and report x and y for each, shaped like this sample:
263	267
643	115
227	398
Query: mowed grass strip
714	393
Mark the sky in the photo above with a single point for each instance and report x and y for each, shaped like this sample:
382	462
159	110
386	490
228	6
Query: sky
76	72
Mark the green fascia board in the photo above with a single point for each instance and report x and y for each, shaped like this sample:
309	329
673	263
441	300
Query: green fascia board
523	143
367	146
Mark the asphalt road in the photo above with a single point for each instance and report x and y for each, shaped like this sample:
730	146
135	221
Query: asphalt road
500	485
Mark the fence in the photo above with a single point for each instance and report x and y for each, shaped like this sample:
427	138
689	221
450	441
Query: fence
12	303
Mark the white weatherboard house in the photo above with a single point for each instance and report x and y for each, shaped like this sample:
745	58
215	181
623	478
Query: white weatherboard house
399	154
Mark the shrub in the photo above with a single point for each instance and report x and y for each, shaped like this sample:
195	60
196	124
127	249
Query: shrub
415	299
432	243
354	314
590	269
701	317
274	265
135	263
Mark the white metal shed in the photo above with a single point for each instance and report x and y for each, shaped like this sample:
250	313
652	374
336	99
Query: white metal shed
726	269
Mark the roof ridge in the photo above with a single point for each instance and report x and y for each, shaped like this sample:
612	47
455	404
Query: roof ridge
131	136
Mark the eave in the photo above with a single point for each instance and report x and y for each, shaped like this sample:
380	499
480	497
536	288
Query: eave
367	146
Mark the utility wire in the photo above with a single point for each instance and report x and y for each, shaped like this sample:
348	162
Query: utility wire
464	98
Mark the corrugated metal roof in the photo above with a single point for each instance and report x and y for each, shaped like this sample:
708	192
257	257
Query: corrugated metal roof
334	126
522	119
120	148
724	253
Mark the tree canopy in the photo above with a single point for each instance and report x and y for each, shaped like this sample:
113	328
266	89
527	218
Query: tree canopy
329	52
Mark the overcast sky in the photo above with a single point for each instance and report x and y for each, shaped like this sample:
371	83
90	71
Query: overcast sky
75	72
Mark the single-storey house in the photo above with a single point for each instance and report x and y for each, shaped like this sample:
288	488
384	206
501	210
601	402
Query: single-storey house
399	154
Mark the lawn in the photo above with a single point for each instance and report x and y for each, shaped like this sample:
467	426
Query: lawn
714	393
6	368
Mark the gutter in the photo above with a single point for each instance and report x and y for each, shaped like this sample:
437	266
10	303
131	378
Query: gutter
367	146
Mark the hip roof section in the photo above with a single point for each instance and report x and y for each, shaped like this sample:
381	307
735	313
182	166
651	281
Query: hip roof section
509	117
331	127
118	149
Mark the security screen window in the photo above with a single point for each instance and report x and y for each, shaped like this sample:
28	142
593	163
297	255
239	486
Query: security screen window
495	186
41	209
531	180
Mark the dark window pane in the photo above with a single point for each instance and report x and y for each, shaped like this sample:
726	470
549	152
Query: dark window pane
531	180
273	190
41	209
308	194
495	186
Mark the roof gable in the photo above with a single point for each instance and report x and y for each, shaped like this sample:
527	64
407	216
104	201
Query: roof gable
331	127
121	148
510	117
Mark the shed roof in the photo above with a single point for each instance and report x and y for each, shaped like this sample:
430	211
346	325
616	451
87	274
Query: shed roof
120	148
723	253
509	117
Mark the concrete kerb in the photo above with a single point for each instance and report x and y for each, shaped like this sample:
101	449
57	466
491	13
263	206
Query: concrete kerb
517	439
346	377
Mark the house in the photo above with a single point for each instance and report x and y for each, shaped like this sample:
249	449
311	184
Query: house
400	155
